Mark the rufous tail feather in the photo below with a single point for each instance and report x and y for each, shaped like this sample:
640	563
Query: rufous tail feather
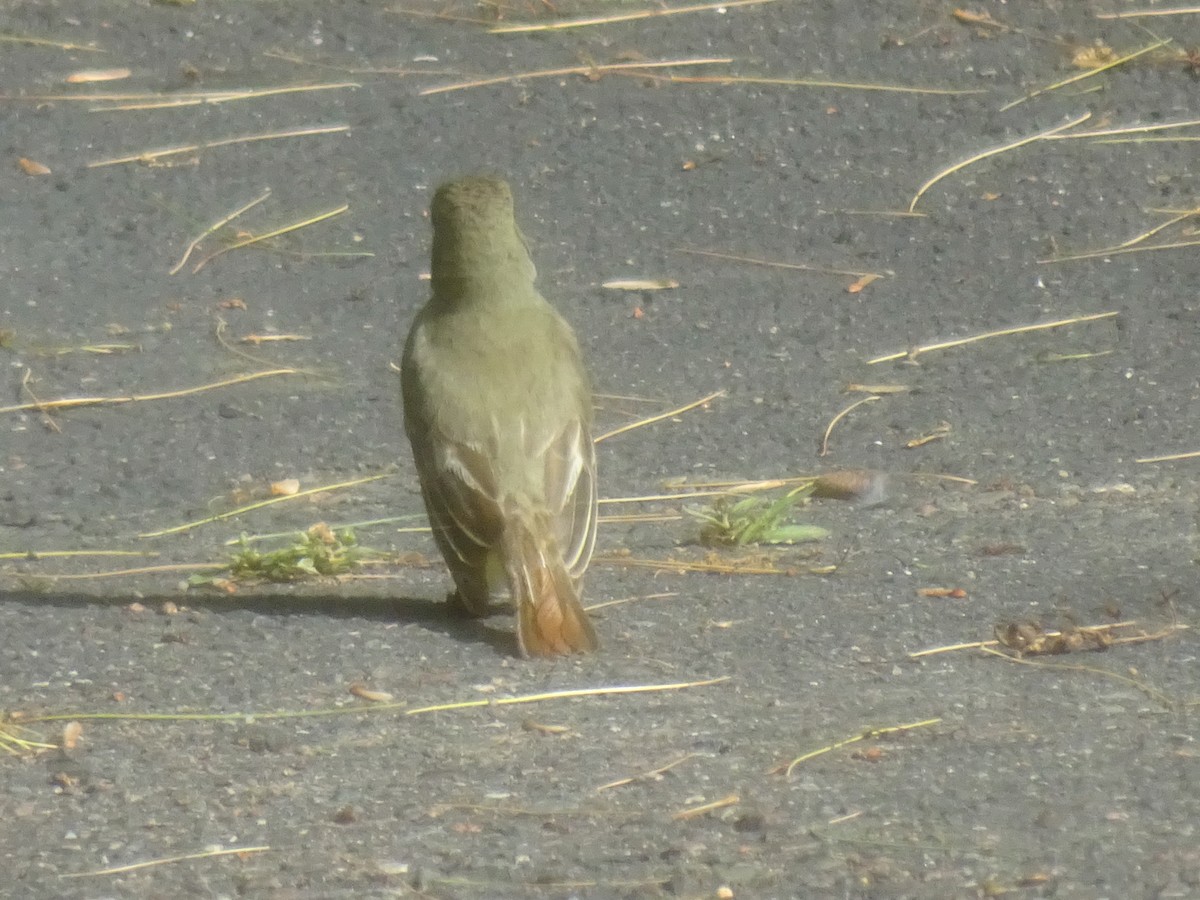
550	619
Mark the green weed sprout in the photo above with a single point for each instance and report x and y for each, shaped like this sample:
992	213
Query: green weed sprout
730	521
317	552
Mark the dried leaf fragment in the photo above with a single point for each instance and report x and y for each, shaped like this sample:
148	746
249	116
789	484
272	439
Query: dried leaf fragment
360	690
968	17
850	484
32	167
285	488
267	338
322	532
641	284
856	286
70	735
1093	56
870	754
91	76
938	434
855	388
1029	639
952	593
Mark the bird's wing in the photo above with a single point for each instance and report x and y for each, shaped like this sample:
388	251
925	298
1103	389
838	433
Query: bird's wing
570	461
460	493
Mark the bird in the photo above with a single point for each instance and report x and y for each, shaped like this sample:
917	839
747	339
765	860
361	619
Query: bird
498	411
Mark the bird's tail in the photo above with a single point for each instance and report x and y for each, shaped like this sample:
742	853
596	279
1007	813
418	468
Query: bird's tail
550	618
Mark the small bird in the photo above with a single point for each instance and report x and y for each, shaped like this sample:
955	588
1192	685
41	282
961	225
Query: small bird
498	409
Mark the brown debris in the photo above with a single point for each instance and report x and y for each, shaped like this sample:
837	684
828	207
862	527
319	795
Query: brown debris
1029	639
32	167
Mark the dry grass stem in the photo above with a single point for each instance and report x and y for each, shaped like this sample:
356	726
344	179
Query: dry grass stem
758	261
622	17
286	229
1124	130
1187	214
26	380
1182	139
70	402
885	213
18	741
271	501
1175	219
440	16
1142	13
172	99
1156	694
1002	332
703	401
362	70
98	349
1093	629
641	517
665	595
341	526
652	498
652	775
1088	74
1172	457
36	555
400	707
682	566
1118	251
566	695
168	860
693	812
46	42
216	226
628	397
161	101
870	734
855	388
811	83
938	476
737	486
151	156
995	151
593	71
219	333
641	284
841	415
140	570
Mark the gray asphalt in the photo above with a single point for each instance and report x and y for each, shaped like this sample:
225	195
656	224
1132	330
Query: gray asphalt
1073	776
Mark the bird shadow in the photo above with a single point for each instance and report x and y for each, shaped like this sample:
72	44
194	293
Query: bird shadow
437	616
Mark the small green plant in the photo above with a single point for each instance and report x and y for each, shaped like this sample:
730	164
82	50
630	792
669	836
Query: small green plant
730	521
319	551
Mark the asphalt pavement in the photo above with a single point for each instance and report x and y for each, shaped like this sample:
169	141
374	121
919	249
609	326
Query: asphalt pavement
220	250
